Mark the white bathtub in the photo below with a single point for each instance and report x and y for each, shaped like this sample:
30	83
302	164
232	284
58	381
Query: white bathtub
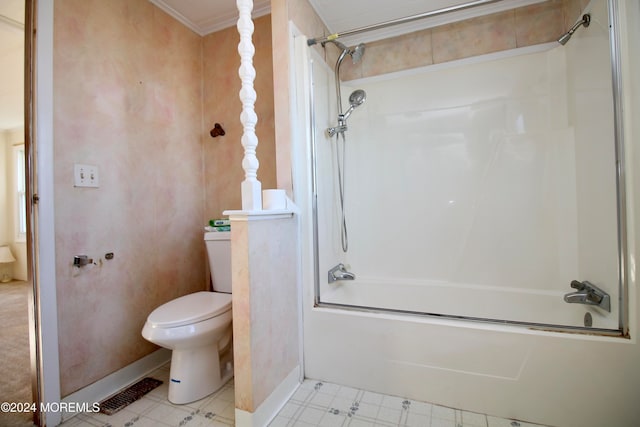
513	371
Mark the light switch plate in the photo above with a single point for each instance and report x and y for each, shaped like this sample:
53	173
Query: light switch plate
85	176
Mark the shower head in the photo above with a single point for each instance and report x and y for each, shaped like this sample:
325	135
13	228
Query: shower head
355	52
356	99
585	21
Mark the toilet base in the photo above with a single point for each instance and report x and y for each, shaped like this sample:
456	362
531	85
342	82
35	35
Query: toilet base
196	373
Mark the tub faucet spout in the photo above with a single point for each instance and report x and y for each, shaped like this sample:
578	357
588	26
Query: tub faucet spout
589	294
339	272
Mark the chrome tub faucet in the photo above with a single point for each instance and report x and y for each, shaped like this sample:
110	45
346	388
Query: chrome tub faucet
589	294
339	272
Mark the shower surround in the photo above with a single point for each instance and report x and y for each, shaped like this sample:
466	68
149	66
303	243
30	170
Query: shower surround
486	206
531	375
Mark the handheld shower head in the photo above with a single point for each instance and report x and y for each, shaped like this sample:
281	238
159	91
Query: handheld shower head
356	54
585	21
356	99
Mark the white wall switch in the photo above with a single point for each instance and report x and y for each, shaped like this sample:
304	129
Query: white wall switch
85	176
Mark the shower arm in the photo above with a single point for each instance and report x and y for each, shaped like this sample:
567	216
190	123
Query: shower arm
405	20
586	20
337	77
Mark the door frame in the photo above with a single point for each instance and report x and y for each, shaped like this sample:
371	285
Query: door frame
40	211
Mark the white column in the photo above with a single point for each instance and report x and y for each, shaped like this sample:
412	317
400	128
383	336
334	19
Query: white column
251	188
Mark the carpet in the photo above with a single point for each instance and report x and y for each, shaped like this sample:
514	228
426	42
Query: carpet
15	365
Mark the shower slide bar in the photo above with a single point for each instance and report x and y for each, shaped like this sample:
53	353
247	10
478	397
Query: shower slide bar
404	20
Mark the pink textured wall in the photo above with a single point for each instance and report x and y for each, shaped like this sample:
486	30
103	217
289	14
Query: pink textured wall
223	154
136	94
127	93
309	23
265	313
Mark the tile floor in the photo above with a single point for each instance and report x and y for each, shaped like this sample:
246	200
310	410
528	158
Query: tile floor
217	410
315	403
321	404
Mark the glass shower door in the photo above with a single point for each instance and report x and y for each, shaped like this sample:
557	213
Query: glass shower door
484	190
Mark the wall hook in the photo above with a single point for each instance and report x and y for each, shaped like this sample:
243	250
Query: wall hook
217	130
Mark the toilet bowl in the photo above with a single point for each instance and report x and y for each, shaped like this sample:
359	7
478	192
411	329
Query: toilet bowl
197	328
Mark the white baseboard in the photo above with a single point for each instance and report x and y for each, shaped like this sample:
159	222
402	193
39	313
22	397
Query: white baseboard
111	384
272	404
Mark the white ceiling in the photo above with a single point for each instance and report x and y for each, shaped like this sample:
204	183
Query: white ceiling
206	16
341	15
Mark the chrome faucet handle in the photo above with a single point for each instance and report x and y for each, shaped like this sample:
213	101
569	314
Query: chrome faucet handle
578	285
594	296
81	261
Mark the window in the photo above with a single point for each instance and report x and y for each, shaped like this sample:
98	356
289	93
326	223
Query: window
21	193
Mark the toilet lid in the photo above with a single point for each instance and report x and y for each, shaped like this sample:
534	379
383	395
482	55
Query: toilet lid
190	308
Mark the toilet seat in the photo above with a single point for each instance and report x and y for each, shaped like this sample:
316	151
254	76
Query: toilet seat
190	309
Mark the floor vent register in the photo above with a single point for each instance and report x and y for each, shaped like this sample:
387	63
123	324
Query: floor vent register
129	395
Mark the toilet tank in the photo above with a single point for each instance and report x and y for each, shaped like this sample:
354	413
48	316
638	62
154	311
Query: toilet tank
219	251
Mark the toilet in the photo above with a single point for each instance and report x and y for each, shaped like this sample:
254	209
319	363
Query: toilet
197	328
